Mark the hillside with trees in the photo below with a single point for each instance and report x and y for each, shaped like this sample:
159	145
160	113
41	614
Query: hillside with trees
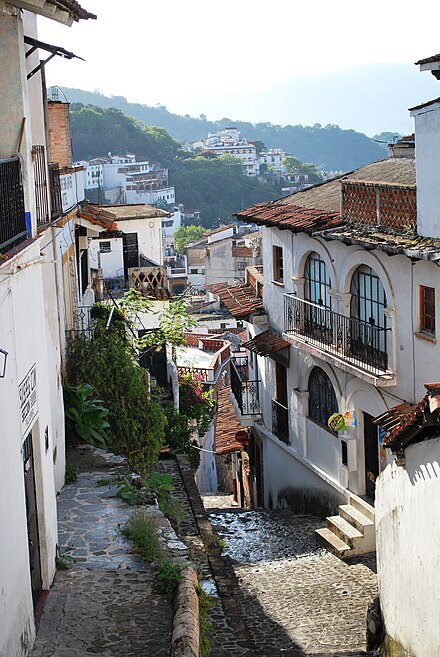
213	185
328	145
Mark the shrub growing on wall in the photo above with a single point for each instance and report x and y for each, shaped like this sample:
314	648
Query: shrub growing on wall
105	361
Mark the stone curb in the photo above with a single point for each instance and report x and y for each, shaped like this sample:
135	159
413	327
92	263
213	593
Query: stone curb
185	638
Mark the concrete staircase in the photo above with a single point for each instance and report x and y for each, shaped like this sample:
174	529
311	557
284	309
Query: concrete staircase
350	533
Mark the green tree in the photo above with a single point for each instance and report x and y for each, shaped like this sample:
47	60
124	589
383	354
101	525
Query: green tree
294	165
186	234
217	187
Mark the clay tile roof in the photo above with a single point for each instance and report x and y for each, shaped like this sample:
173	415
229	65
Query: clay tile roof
97	215
227	424
293	217
428	60
400	419
266	343
427	104
239	299
73	7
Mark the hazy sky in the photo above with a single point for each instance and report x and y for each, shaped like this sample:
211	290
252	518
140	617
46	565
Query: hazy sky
212	57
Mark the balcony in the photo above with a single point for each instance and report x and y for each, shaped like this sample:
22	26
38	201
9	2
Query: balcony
12	214
355	344
280	421
55	190
245	392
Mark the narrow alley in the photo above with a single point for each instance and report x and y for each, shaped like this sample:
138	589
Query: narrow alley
280	594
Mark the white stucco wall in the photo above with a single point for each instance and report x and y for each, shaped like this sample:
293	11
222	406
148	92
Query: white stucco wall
206	476
427	125
408	556
26	333
149	236
112	263
413	358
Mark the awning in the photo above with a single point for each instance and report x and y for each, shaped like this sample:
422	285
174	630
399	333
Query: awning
266	343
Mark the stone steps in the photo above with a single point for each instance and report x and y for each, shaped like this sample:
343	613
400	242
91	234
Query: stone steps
350	533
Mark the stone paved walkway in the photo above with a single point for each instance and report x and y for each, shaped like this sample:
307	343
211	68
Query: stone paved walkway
297	600
106	603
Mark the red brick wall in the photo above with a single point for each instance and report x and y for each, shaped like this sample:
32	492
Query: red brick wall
59	134
395	206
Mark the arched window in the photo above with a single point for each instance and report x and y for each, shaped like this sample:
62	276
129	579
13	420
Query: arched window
368	300
369	323
322	398
317	281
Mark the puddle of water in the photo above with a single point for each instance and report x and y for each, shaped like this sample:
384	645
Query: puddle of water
254	536
208	585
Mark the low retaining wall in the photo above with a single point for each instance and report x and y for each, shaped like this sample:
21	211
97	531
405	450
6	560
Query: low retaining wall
186	635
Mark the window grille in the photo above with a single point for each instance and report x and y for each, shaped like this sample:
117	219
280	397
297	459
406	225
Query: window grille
322	398
317	281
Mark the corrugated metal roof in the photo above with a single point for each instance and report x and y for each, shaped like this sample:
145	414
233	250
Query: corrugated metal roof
240	299
227	424
266	343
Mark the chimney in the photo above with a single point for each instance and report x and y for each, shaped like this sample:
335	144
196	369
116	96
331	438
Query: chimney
59	133
427	130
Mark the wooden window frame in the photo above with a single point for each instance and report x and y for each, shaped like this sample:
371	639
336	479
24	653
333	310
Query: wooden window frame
427	310
278	264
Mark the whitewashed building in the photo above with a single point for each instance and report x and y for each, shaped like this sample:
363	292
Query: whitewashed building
37	294
124	180
350	285
408	557
229	142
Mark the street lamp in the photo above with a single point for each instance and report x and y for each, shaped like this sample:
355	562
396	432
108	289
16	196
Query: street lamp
3	359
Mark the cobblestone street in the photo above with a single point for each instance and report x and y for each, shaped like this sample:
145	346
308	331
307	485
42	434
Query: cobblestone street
106	603
281	595
297	600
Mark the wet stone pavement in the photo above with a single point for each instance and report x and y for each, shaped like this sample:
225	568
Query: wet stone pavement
106	603
297	599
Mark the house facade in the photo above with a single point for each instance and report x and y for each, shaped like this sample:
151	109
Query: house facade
38	293
350	279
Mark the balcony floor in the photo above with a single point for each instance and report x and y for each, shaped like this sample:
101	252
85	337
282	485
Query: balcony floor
334	357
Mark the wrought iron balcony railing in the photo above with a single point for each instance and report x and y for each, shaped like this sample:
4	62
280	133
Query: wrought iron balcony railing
12	215
245	393
280	421
41	191
55	190
362	344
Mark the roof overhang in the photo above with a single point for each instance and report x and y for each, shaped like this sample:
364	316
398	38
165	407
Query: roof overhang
62	11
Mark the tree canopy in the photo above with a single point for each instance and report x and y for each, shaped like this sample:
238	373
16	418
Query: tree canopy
335	148
217	187
96	131
186	234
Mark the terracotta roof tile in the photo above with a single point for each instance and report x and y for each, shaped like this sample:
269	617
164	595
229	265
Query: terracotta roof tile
293	217
97	215
266	343
227	424
240	299
73	7
400	419
427	104
428	60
